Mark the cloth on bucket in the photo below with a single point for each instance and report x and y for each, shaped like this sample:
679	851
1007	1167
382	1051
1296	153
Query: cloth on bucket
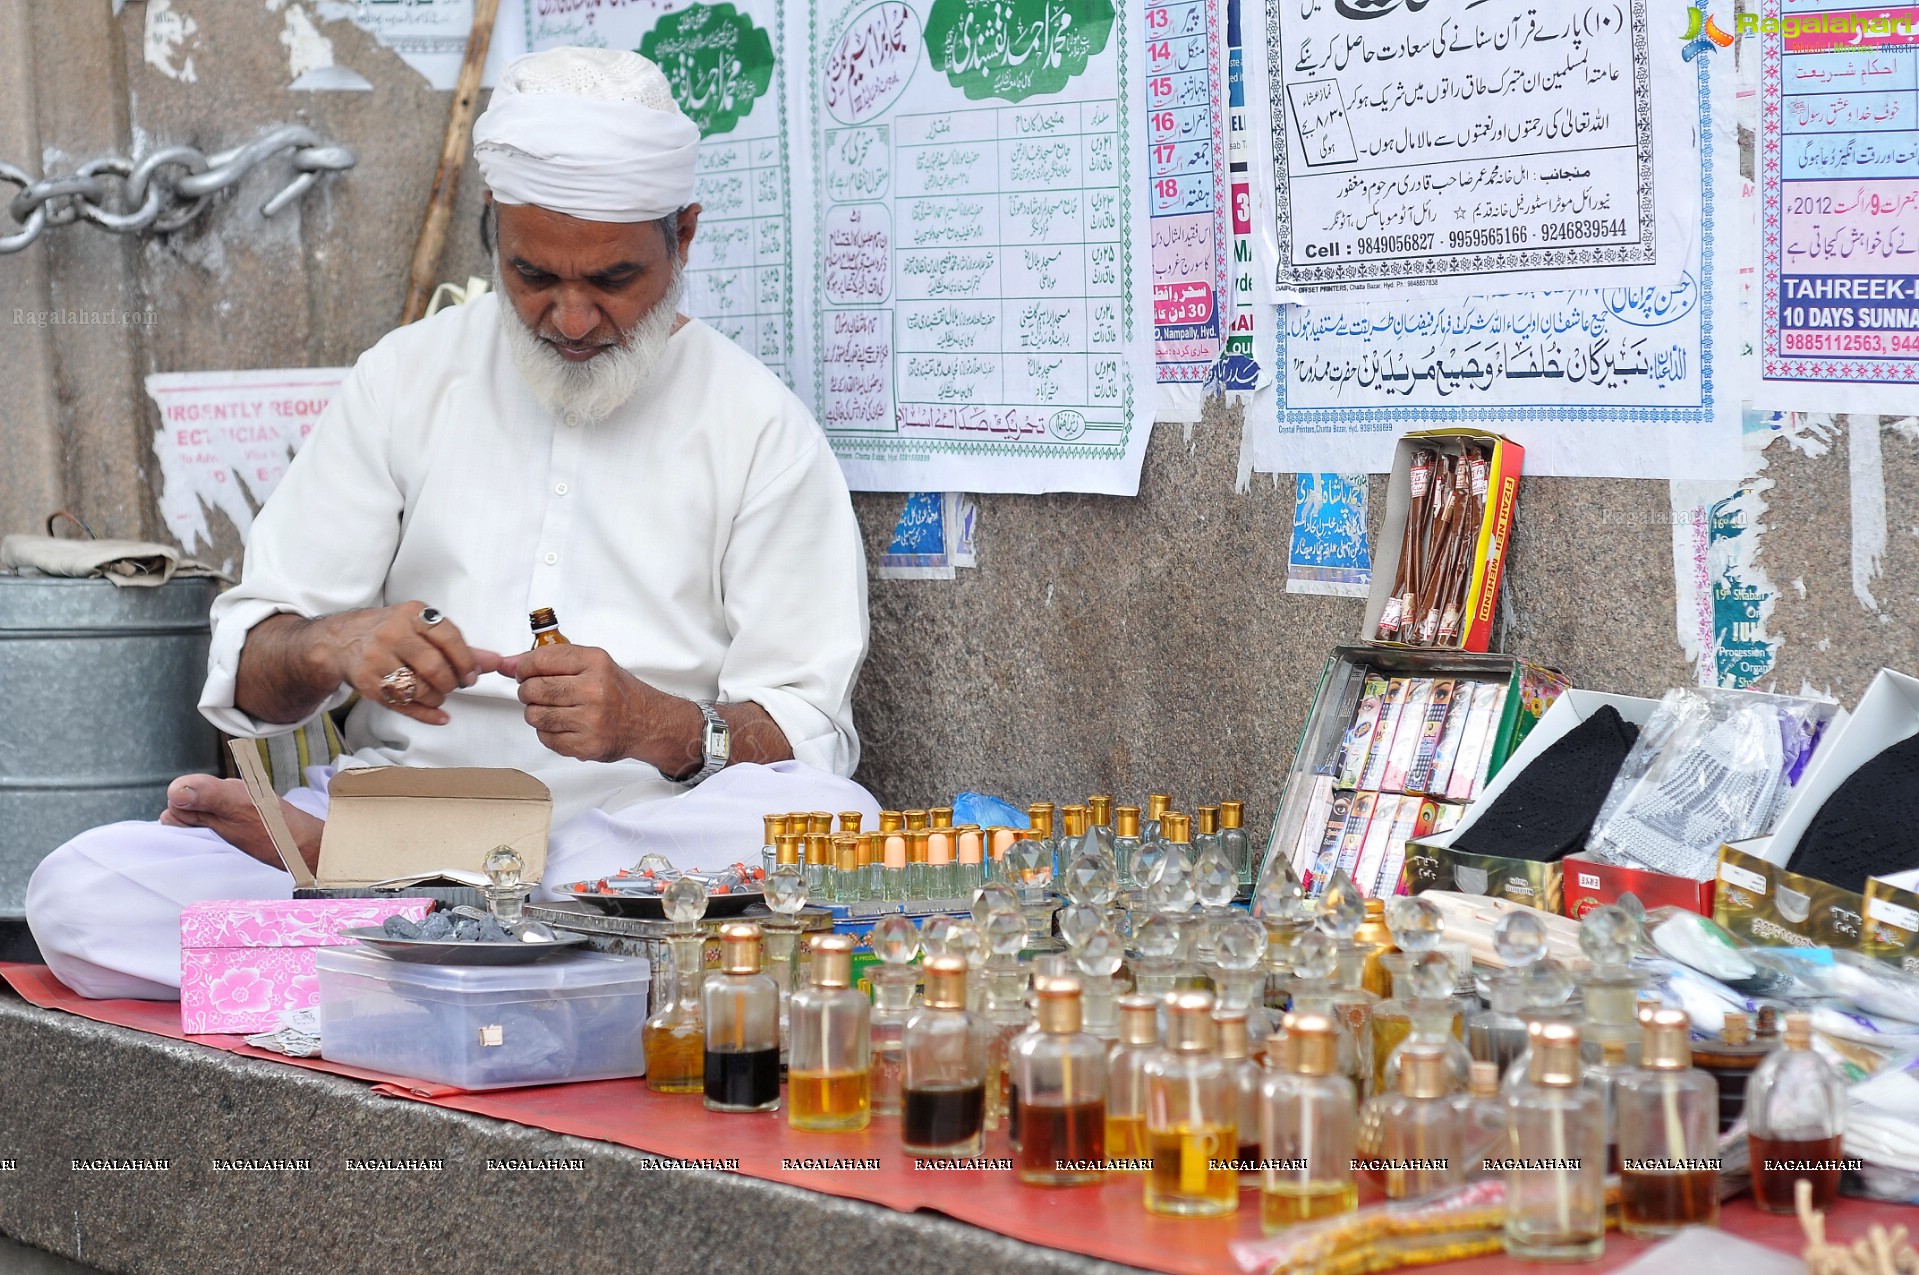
1870	824
1546	811
124	562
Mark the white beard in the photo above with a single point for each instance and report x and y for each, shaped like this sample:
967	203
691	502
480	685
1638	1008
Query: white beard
598	387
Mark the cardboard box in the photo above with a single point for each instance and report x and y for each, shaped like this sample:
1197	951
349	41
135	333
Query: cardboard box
1890	929
405	828
1766	905
242	961
1528	691
1494	535
1593	883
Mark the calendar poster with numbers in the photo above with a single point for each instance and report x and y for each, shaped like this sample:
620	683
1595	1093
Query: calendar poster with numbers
724	63
977	293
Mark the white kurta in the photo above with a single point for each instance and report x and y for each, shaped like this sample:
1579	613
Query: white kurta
701	534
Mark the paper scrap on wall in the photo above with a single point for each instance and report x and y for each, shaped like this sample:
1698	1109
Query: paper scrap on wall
933	537
1330	555
1725	599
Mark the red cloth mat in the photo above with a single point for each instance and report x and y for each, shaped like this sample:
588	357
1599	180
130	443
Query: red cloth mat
1105	1221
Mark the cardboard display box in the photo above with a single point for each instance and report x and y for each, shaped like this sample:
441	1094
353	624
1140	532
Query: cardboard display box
1489	542
1592	883
1762	902
409	830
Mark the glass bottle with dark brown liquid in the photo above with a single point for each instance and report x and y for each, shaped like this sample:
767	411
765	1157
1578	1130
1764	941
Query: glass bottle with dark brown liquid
742	1009
943	1098
546	628
1796	1115
1668	1115
1060	1075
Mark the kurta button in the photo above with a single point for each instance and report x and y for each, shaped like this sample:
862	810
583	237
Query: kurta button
552	558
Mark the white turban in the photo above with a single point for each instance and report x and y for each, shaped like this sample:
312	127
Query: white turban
592	133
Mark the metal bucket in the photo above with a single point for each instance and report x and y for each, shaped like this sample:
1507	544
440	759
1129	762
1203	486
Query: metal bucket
98	692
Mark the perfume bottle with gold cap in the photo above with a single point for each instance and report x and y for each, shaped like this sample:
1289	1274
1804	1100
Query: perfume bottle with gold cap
1072	842
819	823
1422	1130
969	860
939	817
1126	843
1376	937
1099	825
817	856
1306	1127
1668	1115
892	857
829	1065
943	1102
896	941
851	820
1040	816
1235	1050
675	1037
1556	1142
916	861
1205	830
942	848
1157	804
1796	1114
741	1006
1126	1078
872	880
775	826
1191	1104
1482	1111
1233	840
915	819
1060	1075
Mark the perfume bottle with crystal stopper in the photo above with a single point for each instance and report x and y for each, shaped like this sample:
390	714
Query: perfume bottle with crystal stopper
505	893
741	1008
1243	1074
1796	1117
1422	1006
1090	881
829	1067
1422	1128
1191	1103
1239	971
1668	1113
1173	893
1039	818
1060	1074
1608	936
1315	962
1004	1011
1215	883
896	942
786	895
1602	1077
1497	1034
943	1104
1233	839
1556	1213
1098	960
1281	905
675	1036
1126	842
1341	911
1156	939
1546	987
1031	867
1126	1078
1306	1127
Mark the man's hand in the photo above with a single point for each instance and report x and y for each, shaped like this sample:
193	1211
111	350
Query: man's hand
584	705
289	665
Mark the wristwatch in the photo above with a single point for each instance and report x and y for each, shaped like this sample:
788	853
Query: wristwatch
716	744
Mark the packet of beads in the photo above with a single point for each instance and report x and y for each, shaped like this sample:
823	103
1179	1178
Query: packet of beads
637	891
1460	1224
1712	766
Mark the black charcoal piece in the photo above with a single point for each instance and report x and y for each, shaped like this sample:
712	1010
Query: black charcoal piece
399	927
438	928
1546	812
1869	826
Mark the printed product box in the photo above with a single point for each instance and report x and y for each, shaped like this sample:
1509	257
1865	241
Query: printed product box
1771	907
1592	883
242	961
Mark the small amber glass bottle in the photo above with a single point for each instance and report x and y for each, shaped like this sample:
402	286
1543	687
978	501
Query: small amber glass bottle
546	628
830	1063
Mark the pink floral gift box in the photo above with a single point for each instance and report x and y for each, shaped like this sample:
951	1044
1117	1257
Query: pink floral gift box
242	961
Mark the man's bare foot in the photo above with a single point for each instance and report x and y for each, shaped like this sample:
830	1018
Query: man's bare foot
222	806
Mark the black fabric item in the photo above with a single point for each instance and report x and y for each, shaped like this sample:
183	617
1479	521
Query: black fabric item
1869	826
1546	812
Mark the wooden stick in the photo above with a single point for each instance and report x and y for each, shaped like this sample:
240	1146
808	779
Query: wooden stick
446	178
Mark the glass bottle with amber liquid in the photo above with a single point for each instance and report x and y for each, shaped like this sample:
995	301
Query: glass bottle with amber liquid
1126	1078
1235	1050
742	1010
1796	1115
546	628
944	1086
1556	1142
675	1037
1190	1109
1307	1127
1060	1075
828	1069
1668	1114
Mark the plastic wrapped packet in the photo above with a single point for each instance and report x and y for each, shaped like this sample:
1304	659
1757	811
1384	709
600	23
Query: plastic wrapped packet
1858	980
1711	766
1464	1223
1697	941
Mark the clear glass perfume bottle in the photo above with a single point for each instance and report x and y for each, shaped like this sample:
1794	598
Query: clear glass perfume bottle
848	880
1306	1127
1243	1074
872	860
1546	987
1072	842
675	1037
1239	971
895	979
1795	1119
1039	818
1555	1213
829	1067
818	861
1610	990
1315	962
893	865
1156	940
1060	1072
1099	824
1482	1112
1341	911
1238	847
1190	1114
1423	1134
774	826
1498	1033
1422	1007
1600	1077
741	1007
1668	1114
1098	960
1126	1083
943	1106
969	860
942	869
1205	830
917	863
1214	885
1126	843
1157	804
786	895
1281	905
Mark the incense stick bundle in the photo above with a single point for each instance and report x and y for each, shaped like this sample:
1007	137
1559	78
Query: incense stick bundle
1405	583
1439	548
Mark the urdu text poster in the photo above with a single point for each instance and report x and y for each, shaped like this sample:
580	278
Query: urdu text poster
979	296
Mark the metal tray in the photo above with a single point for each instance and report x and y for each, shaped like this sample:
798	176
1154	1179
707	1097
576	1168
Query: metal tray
436	952
649	907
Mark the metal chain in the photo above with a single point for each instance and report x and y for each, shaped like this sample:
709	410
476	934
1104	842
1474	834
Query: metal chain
164	191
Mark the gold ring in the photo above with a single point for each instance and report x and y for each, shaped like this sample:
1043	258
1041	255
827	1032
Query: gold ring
400	687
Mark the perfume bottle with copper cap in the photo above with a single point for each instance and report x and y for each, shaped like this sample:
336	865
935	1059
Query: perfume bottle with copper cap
1191	1104
1060	1075
1306	1127
675	1037
1236	1050
1555	1154
1126	1083
943	1104
1422	1130
742	1010
1796	1116
1668	1114
1233	839
942	850
829	1064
